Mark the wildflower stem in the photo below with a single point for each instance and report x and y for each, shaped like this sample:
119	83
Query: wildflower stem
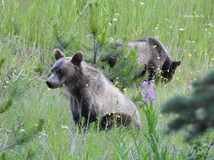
151	116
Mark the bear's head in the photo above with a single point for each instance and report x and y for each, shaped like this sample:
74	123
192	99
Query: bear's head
169	69
65	70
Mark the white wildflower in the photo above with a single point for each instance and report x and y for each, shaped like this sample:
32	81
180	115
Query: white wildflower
111	39
181	29
142	3
64	127
21	130
115	20
117	14
42	134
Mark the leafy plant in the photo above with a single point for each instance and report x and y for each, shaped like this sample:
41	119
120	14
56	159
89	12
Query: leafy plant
199	149
149	97
97	23
123	73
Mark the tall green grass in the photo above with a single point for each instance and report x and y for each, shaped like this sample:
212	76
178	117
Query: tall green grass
30	30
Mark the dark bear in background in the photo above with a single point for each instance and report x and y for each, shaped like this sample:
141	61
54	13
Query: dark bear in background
92	96
151	54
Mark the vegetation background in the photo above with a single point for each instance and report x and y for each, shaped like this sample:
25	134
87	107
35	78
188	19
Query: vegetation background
31	29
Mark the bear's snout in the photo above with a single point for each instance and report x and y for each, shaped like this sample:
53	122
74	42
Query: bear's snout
49	84
52	84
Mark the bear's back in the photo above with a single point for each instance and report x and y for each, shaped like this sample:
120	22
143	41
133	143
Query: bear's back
148	53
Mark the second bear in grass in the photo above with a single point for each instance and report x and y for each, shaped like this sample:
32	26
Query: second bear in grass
152	55
92	96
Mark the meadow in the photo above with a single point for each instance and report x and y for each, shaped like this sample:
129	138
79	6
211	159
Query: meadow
30	30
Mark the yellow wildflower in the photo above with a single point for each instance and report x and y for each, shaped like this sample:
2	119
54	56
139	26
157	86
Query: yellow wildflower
117	89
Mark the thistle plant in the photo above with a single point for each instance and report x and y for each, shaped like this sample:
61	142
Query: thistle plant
149	98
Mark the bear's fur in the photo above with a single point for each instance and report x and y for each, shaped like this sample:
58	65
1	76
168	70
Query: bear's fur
151	54
115	119
92	96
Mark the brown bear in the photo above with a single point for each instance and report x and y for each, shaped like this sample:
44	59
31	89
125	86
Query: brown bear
151	54
92	95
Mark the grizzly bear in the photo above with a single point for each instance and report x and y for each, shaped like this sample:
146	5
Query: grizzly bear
152	55
92	96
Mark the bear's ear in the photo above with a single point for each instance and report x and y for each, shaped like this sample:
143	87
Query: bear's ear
175	64
77	58
58	54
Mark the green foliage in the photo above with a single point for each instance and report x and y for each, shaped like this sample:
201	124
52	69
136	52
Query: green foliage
20	138
40	68
1	62
197	109
16	137
199	149
97	24
123	73
152	118
6	105
67	42
13	90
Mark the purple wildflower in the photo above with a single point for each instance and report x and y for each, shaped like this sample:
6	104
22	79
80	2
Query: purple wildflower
151	84
149	93
143	93
153	99
145	84
146	100
152	95
189	87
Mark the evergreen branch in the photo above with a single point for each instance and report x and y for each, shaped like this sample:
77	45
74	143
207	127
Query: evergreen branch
26	137
6	105
208	149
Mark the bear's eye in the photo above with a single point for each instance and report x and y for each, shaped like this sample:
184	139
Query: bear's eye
58	71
